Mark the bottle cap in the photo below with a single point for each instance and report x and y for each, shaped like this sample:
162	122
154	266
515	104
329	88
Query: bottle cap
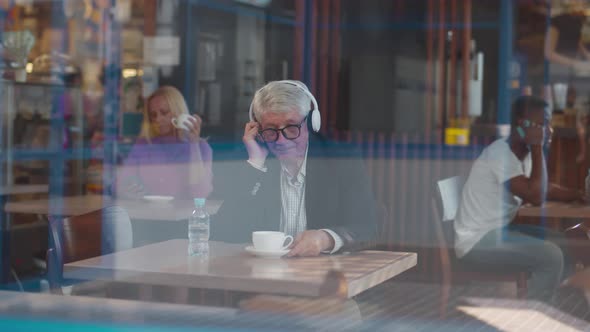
200	202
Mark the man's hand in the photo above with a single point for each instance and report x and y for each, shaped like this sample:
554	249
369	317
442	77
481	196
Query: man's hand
311	243
534	135
256	152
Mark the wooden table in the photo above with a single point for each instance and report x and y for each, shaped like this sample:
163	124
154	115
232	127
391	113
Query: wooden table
151	221
230	268
138	209
24	189
556	210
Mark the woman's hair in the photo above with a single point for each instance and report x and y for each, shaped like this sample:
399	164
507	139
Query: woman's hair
281	96
176	103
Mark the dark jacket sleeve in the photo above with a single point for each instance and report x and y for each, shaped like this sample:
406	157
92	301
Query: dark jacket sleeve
340	197
243	190
358	211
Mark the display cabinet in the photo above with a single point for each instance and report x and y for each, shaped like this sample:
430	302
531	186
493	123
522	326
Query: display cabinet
41	142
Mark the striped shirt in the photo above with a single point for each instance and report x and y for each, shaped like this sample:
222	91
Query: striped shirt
293	216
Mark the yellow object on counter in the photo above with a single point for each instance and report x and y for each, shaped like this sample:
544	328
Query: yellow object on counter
457	136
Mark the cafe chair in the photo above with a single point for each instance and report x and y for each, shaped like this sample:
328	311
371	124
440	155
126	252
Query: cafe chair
445	204
93	234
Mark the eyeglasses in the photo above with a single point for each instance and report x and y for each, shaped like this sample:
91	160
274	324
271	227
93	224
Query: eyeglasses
289	132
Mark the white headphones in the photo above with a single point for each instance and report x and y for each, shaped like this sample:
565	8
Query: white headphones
314	119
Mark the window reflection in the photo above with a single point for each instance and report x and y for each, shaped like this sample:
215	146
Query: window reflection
142	106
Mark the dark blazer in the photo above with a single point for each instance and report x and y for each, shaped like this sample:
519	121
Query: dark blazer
338	197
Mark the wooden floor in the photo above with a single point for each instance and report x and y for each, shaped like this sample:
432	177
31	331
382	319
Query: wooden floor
411	306
402	306
392	306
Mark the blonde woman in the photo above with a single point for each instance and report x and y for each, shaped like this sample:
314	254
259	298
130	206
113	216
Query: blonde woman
166	159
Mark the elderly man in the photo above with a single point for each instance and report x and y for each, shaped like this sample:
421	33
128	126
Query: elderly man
292	182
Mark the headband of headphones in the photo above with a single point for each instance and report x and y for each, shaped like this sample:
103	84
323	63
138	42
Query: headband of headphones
314	118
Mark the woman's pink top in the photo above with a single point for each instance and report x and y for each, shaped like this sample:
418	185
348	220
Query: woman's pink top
162	168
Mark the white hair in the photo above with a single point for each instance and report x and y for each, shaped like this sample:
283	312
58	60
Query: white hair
281	97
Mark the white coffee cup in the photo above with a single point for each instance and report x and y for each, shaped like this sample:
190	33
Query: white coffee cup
270	241
182	121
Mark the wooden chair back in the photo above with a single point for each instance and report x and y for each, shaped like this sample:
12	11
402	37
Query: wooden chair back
445	204
85	236
448	196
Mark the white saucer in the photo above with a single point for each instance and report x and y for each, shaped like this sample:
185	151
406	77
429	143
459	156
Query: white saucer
158	199
269	254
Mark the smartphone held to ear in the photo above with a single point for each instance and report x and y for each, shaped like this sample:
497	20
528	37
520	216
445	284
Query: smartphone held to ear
520	130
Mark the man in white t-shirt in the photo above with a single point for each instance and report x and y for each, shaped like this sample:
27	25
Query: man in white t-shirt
509	172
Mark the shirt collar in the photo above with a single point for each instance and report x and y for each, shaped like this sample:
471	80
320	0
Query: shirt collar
300	178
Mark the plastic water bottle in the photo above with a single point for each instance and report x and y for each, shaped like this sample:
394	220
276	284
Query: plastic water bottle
587	184
198	230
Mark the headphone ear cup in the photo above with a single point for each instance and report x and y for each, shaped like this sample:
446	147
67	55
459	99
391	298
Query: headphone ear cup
314	120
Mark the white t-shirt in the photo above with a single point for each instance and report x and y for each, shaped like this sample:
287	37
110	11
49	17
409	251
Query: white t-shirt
486	202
